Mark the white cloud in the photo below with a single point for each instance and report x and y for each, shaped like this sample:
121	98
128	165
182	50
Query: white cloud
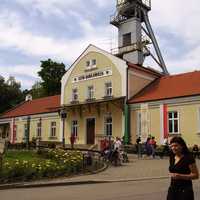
103	3
179	18
21	70
13	35
25	74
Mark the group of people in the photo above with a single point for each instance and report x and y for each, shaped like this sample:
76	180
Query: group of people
112	151
150	146
182	165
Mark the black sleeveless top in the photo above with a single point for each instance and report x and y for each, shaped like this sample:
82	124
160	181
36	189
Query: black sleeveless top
181	167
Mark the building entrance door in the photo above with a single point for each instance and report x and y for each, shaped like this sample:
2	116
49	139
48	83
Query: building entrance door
90	129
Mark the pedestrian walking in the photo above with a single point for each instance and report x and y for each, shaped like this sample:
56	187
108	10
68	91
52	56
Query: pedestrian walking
195	151
165	151
117	144
116	152
139	147
153	146
148	146
182	170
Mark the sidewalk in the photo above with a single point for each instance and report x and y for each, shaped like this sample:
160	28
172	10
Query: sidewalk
135	170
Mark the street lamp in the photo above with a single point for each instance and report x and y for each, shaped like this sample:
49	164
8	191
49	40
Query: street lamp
63	117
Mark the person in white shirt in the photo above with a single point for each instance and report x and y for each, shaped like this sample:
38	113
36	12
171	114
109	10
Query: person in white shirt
117	144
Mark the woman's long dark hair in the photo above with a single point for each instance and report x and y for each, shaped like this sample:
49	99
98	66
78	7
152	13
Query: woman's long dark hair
180	141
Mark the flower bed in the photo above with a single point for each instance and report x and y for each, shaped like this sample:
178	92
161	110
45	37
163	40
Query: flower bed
29	165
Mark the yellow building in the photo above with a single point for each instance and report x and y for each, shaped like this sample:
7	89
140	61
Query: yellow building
93	96
168	106
92	104
31	119
104	96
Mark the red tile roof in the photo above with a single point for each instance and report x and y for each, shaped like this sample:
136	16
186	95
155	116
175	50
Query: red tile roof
167	87
36	106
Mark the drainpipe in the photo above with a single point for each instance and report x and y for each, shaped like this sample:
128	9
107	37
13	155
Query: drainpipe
126	114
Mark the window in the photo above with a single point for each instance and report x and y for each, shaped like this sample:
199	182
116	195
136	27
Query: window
25	131
127	39
39	129
75	94
108	125
108	89
93	62
173	120
74	128
139	124
88	63
53	129
90	93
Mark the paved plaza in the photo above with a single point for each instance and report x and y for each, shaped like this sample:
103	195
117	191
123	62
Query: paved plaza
135	170
140	179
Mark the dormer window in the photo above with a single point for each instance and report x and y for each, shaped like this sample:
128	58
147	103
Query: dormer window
90	64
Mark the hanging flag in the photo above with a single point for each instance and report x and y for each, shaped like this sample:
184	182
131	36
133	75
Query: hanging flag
163	122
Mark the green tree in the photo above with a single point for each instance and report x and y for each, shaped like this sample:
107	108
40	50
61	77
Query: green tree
10	93
37	91
51	73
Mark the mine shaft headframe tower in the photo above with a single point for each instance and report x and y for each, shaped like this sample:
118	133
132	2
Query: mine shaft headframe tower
129	18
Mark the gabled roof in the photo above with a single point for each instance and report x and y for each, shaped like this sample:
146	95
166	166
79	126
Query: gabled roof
36	106
145	69
120	64
167	87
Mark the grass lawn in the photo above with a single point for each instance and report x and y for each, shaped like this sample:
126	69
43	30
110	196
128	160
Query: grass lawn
22	155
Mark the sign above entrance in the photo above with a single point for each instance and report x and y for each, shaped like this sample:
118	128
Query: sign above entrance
92	75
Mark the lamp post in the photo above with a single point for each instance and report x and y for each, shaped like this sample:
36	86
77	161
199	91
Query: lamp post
63	117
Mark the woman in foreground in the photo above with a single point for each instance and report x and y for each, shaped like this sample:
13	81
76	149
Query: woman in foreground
182	170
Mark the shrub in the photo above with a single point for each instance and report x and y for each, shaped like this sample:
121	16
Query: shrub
52	163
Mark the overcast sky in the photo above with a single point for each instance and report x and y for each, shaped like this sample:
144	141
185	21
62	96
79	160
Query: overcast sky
34	30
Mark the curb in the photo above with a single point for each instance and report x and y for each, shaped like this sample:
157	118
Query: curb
55	183
68	183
